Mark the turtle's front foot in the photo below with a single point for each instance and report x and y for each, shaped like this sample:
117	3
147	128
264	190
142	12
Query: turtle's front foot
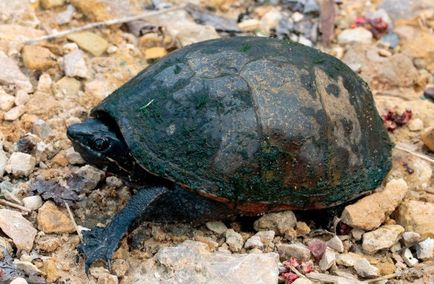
98	244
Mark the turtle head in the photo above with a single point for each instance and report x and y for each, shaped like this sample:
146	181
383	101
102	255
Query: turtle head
100	143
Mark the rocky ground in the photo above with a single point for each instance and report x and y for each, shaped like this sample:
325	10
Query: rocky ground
46	85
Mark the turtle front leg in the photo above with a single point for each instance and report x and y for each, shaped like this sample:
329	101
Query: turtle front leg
100	243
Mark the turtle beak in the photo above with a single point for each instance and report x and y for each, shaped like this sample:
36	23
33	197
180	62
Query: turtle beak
74	131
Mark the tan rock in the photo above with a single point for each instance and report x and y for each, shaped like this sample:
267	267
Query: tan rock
382	73
49	243
90	42
48	4
51	270
417	216
417	43
427	137
155	53
371	211
93	9
18	228
52	220
302	228
42	104
382	238
38	57
279	222
249	25
386	267
67	87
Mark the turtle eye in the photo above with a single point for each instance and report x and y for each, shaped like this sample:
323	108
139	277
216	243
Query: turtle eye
100	144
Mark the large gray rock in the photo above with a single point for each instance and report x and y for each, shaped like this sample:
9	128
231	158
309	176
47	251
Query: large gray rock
191	262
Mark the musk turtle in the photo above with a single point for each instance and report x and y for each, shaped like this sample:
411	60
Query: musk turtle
242	124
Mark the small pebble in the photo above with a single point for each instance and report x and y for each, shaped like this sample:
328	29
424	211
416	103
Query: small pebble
425	249
234	240
302	228
74	65
18	280
89	41
254	242
336	244
20	164
21	97
113	181
348	259
6	101
112	49
92	175
73	157
266	237
297	17
382	238
44	83
410	238
297	250
427	137
14	113
41	129
365	269
409	259
32	202
217	227
415	124
327	260
279	222
357	35
65	16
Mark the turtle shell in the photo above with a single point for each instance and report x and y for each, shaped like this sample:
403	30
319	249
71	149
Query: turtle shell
261	123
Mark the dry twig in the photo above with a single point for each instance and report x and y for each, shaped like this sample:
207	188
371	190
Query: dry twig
327	21
103	24
13	205
414	153
73	222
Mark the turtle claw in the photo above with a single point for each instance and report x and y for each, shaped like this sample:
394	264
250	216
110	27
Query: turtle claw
98	245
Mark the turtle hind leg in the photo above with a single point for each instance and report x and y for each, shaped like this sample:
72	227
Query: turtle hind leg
186	207
100	243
